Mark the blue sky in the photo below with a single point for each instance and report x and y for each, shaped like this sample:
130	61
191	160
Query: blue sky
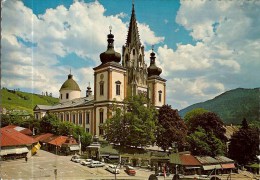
203	47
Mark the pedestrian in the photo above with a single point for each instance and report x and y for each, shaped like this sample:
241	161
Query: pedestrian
26	159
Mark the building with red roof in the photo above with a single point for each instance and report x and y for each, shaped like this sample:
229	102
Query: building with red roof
58	144
23	130
14	144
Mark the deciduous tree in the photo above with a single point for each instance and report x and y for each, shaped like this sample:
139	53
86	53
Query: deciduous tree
171	128
204	143
210	122
133	124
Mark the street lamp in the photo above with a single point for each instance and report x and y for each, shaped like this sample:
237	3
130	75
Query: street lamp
258	157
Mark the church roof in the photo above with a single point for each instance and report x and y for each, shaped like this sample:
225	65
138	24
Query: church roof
70	84
133	34
68	104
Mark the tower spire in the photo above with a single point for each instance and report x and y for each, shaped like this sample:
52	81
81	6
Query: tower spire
133	33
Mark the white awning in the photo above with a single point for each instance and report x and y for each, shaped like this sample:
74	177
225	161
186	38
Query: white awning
22	150
14	150
74	148
211	167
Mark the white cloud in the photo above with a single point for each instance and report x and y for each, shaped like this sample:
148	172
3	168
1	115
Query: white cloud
226	55
81	29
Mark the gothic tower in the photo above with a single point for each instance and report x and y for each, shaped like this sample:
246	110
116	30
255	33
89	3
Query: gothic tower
133	60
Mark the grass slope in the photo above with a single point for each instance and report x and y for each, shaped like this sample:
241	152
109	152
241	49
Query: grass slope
17	100
232	106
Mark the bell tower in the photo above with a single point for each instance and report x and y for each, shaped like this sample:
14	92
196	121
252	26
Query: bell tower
109	84
156	84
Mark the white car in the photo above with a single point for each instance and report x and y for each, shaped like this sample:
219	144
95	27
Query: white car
86	162
96	164
75	159
113	169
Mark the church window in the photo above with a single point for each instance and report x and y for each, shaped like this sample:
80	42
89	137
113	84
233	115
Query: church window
87	130
74	118
160	96
60	96
67	117
61	117
80	118
67	95
101	88
87	117
133	51
101	117
118	83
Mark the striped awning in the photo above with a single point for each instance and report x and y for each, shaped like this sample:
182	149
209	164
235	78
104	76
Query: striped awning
211	167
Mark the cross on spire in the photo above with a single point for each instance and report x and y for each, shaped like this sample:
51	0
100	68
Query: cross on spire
152	48
110	28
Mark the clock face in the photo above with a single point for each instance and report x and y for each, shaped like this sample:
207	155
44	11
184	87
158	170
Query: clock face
101	76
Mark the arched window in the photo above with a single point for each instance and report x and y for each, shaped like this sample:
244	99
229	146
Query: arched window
80	118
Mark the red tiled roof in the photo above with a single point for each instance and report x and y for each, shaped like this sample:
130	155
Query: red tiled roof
43	137
23	130
9	127
58	141
11	137
189	160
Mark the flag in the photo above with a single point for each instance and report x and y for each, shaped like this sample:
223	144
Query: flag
36	148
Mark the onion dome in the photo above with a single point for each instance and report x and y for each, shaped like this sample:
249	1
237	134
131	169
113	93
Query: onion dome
110	55
70	84
153	70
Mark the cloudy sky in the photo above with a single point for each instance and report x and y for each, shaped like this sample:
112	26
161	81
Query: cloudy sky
204	47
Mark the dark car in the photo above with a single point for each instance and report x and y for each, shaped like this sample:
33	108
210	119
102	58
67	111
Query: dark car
130	170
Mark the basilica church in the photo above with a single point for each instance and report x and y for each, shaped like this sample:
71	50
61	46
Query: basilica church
114	80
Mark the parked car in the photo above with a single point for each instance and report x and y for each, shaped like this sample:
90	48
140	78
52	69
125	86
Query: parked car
86	162
130	170
162	174
113	169
96	164
75	158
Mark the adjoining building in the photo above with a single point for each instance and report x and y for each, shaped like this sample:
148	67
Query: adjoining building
113	82
58	144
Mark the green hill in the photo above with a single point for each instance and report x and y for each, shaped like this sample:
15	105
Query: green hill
17	100
232	106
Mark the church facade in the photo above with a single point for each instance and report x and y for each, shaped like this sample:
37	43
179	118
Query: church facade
114	80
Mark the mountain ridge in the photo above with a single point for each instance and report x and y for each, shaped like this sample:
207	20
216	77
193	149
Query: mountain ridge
232	106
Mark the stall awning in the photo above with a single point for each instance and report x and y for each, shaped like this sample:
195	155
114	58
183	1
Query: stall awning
22	150
192	167
74	148
15	150
211	167
228	166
